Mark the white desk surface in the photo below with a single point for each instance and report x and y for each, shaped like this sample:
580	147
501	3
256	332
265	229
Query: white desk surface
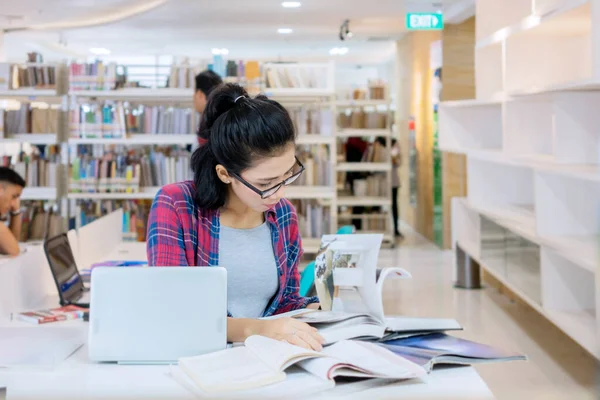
77	378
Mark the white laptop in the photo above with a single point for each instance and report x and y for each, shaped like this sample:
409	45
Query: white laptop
158	314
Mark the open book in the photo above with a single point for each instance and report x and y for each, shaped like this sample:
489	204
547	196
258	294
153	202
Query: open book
438	348
263	361
339	325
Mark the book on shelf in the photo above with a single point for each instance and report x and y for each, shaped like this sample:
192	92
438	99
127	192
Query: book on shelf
316	121
183	76
128	172
51	315
40	220
429	350
360	119
135	214
116	119
296	76
29	75
317	171
314	220
38	169
92	76
263	361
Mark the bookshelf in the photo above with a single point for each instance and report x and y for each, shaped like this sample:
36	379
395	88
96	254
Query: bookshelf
531	141
366	116
305	87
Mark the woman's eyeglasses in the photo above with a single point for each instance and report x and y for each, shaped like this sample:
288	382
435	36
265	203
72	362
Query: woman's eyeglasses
297	171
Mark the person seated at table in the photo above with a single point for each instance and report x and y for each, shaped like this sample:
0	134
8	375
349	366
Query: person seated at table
11	188
234	215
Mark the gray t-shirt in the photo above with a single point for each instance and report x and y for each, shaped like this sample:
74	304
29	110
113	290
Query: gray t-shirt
252	278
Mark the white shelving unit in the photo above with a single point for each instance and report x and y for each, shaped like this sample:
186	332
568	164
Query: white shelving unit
367	105
533	152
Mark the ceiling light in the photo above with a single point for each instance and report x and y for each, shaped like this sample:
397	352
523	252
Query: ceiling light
99	51
342	50
291	4
334	51
224	51
285	31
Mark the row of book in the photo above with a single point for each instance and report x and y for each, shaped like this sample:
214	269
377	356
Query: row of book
314	220
127	173
135	215
92	76
37	168
359	119
183	76
18	76
318	171
118	119
312	121
28	119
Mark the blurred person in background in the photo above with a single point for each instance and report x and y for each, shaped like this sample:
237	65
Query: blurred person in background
11	188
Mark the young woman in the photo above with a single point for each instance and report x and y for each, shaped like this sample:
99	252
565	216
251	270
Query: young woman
234	215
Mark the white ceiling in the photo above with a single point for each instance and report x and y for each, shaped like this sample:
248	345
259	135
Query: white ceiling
248	28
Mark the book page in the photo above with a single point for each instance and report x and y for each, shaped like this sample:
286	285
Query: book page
298	384
320	317
278	355
290	314
228	370
374	360
409	324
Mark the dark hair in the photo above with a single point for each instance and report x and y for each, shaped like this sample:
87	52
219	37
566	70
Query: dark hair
10	176
381	141
238	130
206	81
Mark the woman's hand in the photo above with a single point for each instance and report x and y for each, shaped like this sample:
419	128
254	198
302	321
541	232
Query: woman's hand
292	331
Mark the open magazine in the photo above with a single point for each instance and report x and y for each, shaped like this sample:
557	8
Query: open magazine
263	361
346	271
439	348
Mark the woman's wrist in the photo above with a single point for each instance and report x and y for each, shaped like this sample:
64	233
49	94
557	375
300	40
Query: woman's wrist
239	329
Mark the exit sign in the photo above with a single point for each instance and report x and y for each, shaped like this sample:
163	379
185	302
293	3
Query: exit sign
424	21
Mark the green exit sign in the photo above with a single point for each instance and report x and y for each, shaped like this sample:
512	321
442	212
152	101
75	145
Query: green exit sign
424	21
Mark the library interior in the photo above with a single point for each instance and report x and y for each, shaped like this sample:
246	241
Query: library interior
391	199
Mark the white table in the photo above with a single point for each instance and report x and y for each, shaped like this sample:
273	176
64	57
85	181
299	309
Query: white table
77	378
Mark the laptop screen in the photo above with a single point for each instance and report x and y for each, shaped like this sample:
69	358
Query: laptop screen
62	263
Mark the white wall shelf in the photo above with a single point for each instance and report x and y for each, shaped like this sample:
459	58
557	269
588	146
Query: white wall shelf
465	128
147	193
363	167
39	193
142	94
361	103
347	133
140	139
31	138
309	192
355	201
538	64
310	139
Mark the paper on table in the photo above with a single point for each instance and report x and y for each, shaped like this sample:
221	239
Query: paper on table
407	324
298	384
37	346
277	354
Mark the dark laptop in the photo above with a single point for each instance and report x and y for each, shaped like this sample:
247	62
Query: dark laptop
64	270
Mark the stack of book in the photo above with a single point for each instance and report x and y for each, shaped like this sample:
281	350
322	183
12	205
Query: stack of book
316	163
182	76
92	76
375	185
32	75
313	219
27	119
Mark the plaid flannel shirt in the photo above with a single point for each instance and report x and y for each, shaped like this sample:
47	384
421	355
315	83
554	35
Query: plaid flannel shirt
182	234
